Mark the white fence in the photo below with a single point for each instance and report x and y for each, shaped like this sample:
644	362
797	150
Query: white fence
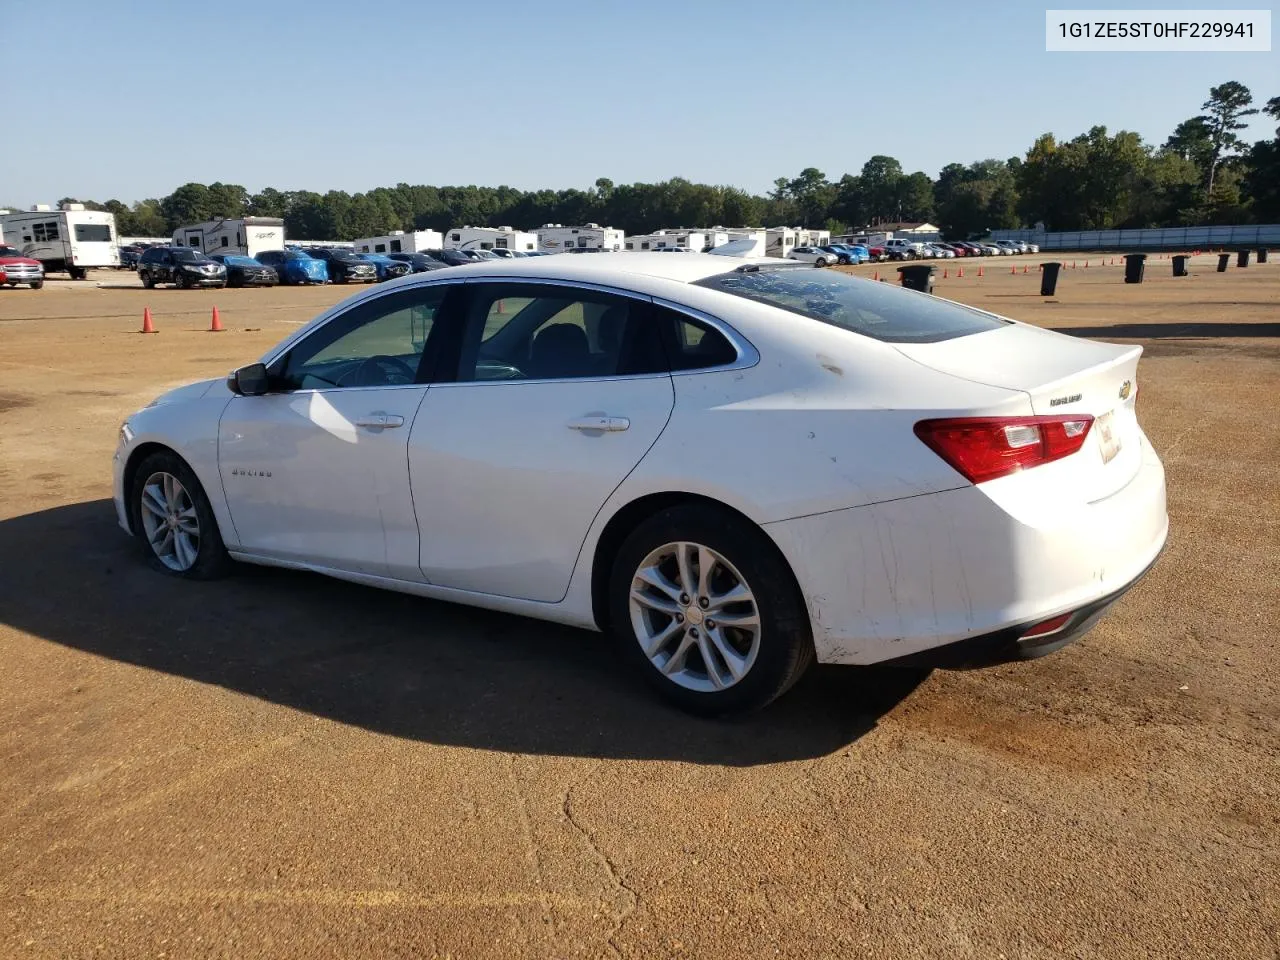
1157	238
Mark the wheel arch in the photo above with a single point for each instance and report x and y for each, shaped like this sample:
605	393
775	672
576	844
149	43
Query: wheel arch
627	518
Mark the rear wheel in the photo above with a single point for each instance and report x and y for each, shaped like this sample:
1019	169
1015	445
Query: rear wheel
147	282
77	273
821	261
173	520
706	608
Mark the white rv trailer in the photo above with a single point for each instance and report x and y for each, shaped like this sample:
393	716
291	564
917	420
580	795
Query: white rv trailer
557	238
780	241
247	236
812	238
398	241
692	240
72	239
490	238
756	235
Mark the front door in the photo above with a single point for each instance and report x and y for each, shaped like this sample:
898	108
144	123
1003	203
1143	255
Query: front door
315	471
559	392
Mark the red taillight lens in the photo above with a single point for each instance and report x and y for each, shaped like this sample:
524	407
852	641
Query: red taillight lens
983	448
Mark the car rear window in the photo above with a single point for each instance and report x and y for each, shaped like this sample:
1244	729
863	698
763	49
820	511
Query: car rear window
872	309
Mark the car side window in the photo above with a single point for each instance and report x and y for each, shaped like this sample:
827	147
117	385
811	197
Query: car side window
377	343
552	332
694	345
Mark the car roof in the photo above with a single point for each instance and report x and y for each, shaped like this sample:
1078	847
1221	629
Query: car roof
600	268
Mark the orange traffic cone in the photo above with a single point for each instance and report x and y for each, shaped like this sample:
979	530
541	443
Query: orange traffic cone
876	275
215	326
147	325
979	269
1013	270
1086	264
944	273
1024	269
960	272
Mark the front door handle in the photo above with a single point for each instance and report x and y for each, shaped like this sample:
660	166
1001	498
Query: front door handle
600	423
380	421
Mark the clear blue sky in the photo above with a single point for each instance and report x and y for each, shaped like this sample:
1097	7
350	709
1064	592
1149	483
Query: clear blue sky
135	99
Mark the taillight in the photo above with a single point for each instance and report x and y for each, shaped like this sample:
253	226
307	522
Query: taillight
983	448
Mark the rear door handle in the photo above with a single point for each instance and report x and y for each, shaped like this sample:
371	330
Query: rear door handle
380	421
603	424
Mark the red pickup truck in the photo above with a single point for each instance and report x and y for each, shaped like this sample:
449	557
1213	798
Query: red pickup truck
16	269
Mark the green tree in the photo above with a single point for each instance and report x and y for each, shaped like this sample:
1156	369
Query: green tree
1262	172
190	203
879	177
1228	103
915	197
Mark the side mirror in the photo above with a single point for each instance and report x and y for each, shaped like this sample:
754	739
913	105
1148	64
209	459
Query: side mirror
249	381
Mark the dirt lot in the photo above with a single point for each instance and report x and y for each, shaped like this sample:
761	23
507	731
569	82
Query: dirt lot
278	765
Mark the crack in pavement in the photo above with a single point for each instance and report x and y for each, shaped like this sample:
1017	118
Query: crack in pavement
611	871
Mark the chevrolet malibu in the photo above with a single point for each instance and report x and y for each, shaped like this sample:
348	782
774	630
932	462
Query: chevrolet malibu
734	467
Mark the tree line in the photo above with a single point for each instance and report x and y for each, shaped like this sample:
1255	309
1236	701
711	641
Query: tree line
1204	173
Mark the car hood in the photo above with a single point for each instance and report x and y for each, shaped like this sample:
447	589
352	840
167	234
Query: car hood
19	261
192	391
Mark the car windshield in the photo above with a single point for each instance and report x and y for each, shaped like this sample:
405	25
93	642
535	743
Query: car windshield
9	252
187	255
234	261
862	306
297	255
342	255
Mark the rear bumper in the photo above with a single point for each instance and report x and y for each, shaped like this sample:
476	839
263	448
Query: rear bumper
890	580
1003	646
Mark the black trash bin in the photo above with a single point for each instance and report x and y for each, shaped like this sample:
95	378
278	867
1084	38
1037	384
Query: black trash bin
1262	254
918	277
1180	265
1133	267
1242	258
1223	260
1049	278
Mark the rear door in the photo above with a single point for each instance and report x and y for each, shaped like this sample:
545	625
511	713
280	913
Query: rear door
558	392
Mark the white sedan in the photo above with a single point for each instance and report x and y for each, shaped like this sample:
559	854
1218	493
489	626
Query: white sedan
819	258
734	466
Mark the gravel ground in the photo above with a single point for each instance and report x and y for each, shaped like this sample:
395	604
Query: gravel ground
279	765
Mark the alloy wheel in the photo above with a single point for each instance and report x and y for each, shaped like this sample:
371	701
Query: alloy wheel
695	617
170	522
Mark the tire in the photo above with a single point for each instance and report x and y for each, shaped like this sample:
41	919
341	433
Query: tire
209	560
776	655
147	282
37	284
180	281
820	262
77	273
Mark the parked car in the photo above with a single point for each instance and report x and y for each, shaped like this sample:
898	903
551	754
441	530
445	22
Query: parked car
857	253
900	248
990	249
1033	247
387	269
815	255
1050	508
245	271
841	256
129	256
965	248
345	266
295	266
181	266
419	262
878	253
19	269
452	258
940	251
949	249
507	254
1009	247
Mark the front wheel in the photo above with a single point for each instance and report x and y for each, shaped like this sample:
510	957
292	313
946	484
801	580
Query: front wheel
173	520
37	284
821	261
706	608
147	282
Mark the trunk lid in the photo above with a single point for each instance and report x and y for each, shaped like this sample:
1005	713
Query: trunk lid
1061	375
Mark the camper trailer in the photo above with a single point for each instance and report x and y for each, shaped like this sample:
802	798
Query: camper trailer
780	241
399	241
557	238
694	241
490	238
69	240
247	236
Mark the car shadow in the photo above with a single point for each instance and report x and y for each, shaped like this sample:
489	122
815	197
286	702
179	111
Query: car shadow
393	663
1160	331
